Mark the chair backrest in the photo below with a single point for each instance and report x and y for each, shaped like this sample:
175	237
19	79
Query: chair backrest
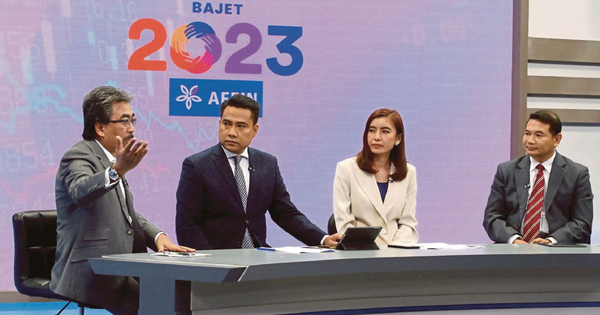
331	228
35	249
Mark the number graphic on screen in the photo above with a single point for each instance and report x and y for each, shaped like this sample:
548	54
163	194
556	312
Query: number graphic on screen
291	33
138	60
182	58
200	64
234	64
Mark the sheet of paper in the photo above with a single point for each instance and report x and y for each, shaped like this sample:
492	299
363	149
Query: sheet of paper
297	250
181	254
438	246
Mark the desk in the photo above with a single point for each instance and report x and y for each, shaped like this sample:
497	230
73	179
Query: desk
253	281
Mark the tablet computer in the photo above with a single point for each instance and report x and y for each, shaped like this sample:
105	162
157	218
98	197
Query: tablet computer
359	238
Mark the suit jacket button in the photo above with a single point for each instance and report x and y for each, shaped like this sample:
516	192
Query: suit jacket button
247	222
129	232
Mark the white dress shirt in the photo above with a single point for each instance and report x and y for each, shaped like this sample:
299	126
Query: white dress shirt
119	182
532	175
244	165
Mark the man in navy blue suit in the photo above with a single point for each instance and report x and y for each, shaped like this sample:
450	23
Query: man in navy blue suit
225	191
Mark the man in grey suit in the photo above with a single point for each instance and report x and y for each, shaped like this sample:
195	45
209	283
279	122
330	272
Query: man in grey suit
561	203
95	208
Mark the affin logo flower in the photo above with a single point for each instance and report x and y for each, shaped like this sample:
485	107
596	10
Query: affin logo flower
188	96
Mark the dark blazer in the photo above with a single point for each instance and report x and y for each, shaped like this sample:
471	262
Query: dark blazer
92	221
568	201
210	213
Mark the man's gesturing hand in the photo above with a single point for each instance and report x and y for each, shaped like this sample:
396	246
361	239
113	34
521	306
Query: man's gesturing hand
130	156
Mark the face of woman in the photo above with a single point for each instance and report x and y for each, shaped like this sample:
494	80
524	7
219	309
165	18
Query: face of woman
382	136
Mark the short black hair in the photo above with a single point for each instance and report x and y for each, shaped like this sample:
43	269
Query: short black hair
548	117
242	101
97	107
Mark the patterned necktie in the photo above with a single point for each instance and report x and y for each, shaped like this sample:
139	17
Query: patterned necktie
241	183
533	216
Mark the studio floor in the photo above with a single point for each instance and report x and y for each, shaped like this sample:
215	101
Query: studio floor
43	308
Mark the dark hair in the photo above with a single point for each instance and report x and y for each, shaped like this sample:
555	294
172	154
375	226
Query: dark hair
364	159
548	117
97	107
241	101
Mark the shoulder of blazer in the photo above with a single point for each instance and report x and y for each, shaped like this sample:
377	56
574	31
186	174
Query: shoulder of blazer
412	171
349	163
517	163
561	160
261	157
87	150
95	147
207	154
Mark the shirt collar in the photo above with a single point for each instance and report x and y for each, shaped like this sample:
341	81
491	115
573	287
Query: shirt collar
547	165
110	157
230	154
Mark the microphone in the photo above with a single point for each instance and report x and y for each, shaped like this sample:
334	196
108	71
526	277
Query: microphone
391	181
251	168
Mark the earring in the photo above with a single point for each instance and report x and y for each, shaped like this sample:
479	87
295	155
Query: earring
397	143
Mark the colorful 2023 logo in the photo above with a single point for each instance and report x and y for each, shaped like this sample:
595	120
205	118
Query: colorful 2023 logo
213	48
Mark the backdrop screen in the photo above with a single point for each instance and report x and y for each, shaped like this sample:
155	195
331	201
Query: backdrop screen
318	68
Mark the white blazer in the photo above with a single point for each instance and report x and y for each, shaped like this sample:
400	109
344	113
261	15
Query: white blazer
357	202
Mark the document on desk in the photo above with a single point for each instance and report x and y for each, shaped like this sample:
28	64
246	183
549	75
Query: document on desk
181	254
296	250
434	246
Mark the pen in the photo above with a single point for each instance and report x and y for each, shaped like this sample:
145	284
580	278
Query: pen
269	249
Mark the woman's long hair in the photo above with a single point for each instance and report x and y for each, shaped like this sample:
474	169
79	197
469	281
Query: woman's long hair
364	159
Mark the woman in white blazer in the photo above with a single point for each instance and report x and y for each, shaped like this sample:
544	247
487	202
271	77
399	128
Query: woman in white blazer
378	187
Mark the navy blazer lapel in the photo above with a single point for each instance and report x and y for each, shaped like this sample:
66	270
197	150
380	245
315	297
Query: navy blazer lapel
556	177
522	178
220	160
254	161
105	162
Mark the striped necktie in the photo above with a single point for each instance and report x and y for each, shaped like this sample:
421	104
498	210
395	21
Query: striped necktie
533	216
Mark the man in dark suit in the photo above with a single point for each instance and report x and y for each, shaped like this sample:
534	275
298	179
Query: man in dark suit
542	197
96	215
225	191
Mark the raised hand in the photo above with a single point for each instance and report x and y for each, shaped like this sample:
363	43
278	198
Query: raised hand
130	156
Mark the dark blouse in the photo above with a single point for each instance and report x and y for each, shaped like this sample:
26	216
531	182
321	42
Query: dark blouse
383	187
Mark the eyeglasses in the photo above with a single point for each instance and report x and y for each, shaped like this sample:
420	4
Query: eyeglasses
125	122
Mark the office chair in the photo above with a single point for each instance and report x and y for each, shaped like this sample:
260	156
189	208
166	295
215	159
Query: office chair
331	229
35	250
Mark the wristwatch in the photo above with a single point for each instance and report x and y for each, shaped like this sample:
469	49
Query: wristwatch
113	175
